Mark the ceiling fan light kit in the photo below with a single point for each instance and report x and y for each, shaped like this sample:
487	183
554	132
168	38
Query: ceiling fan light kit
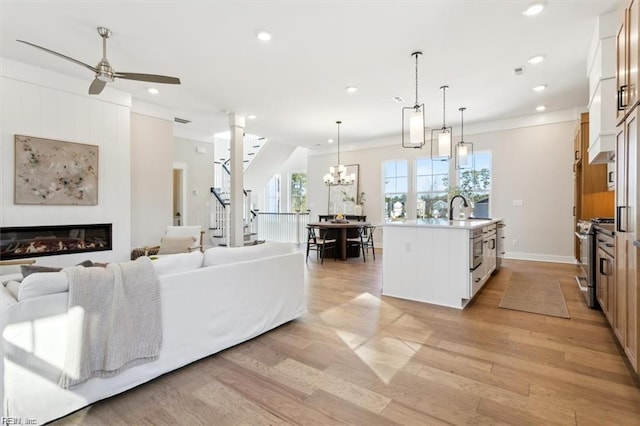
104	72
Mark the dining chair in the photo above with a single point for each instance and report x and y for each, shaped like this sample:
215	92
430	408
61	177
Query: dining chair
358	241
368	239
320	239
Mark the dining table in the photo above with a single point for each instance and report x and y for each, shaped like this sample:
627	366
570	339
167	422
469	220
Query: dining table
343	227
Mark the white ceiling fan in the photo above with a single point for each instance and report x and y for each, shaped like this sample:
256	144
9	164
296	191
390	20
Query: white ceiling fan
104	72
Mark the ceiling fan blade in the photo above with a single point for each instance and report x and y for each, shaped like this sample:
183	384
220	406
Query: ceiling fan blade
148	77
60	55
96	86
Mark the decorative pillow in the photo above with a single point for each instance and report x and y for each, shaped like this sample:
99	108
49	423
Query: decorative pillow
32	269
175	245
180	262
10	277
14	288
224	255
39	284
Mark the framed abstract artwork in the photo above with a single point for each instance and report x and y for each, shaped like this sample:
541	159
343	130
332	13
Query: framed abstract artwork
53	172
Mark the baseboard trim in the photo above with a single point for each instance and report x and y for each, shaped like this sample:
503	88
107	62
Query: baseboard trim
536	257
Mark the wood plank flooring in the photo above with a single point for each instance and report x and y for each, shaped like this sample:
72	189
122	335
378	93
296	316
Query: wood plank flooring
361	359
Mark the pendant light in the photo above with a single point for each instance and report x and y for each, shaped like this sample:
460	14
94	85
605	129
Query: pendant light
464	150
338	175
413	119
441	138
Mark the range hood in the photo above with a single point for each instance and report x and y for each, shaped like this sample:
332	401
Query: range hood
602	149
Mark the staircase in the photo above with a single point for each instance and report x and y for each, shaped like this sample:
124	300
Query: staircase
219	217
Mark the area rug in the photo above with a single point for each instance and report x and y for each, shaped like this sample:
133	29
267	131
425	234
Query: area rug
536	293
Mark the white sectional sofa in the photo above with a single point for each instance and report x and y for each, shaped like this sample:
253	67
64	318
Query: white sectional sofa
209	302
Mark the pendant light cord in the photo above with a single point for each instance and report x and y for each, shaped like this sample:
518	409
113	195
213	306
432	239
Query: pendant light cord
338	123
462	125
444	105
416	105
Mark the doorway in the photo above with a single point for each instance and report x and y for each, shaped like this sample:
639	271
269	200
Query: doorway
179	194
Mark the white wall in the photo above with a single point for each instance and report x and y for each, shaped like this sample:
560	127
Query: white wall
151	178
37	102
532	164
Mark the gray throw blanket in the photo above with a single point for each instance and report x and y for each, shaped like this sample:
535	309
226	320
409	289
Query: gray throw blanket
114	320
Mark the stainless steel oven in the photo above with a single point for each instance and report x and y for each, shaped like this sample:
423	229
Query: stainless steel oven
587	259
475	248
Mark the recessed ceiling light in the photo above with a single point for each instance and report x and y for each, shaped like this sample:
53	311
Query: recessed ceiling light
351	89
536	59
540	88
533	9
398	99
263	36
152	90
541	108
251	116
330	140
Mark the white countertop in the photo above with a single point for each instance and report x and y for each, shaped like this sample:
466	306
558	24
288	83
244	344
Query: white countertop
444	223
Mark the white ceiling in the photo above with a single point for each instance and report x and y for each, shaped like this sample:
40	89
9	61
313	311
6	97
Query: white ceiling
295	83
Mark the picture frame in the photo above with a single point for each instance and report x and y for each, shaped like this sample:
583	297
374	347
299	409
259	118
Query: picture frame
54	172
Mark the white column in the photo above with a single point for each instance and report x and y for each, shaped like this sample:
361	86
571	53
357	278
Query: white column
236	229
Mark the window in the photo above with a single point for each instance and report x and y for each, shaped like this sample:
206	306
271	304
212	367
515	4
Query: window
298	183
272	195
475	184
432	188
395	189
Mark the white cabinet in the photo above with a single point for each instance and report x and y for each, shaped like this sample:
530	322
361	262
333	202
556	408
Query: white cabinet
432	264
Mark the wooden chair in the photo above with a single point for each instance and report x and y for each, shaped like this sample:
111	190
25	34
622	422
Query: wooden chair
320	239
358	241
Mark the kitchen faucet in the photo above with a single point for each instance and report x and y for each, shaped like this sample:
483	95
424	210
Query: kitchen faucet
464	203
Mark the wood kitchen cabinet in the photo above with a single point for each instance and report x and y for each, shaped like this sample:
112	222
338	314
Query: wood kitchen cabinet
591	195
627	60
626	256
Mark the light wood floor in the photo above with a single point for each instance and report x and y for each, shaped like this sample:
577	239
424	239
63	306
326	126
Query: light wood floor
359	358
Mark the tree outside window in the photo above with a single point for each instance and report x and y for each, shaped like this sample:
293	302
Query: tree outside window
298	192
432	188
395	189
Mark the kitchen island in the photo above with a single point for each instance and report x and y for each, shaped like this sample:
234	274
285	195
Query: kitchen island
440	261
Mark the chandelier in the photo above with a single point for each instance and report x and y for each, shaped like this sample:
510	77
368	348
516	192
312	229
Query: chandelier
441	145
338	175
413	119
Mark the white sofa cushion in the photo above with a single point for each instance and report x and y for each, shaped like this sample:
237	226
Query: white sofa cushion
41	283
181	262
224	255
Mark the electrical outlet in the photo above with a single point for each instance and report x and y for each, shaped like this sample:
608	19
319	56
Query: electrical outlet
408	247
517	203
515	243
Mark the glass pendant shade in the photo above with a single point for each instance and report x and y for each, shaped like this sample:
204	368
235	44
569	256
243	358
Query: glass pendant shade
463	157
444	143
413	127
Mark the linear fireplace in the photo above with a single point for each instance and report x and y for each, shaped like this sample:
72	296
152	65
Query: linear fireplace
21	242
